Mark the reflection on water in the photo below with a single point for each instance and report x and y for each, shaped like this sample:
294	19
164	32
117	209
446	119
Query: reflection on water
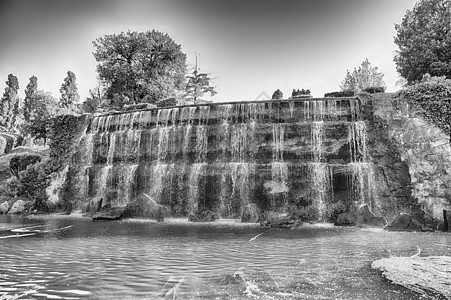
136	259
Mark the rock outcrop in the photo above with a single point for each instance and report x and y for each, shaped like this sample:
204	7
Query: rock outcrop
250	214
4	207
92	207
361	216
20	206
145	207
405	222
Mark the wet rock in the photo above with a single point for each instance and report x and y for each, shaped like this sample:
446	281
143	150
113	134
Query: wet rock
203	216
20	207
92	207
67	208
4	207
447	219
405	222
145	207
366	218
281	221
250	214
346	219
109	214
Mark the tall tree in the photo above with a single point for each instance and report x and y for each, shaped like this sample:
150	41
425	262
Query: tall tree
68	90
363	77
424	41
30	91
9	107
198	85
277	95
139	66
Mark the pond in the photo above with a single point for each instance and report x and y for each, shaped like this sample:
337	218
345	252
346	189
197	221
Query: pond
141	259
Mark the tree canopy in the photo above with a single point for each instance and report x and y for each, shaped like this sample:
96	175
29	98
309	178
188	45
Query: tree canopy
9	106
277	95
424	41
363	77
198	85
139	66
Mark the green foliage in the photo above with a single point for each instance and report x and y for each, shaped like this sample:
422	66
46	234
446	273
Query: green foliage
277	95
340	94
362	77
9	106
95	102
300	93
64	134
20	163
30	91
33	183
68	90
374	89
424	41
431	98
139	66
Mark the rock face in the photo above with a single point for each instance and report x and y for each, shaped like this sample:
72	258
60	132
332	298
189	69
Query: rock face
92	207
20	207
405	222
447	220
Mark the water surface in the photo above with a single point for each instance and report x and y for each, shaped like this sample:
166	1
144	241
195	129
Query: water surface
137	259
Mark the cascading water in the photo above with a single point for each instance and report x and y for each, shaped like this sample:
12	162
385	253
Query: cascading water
279	155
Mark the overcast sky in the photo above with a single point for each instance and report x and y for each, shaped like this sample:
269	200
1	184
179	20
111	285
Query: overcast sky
249	46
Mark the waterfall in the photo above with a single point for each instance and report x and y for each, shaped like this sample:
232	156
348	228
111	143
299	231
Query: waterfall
278	155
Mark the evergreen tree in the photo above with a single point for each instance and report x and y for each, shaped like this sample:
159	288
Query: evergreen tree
68	90
30	92
198	85
9	106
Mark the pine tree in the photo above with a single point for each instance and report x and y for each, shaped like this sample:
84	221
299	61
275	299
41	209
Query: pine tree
68	90
9	106
30	92
198	85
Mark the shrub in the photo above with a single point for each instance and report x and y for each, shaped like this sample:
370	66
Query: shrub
374	89
348	93
20	163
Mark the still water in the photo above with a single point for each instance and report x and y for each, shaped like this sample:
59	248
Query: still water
137	259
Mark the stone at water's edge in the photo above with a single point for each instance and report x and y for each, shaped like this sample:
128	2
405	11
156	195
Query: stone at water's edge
145	207
447	219
405	222
20	207
109	214
345	219
361	217
4	207
420	274
203	216
92	207
250	214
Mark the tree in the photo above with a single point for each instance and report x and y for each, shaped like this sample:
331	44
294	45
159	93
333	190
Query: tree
431	98
139	66
68	90
300	93
9	106
94	102
362	78
277	95
424	41
198	85
30	91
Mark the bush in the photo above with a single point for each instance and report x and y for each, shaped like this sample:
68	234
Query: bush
348	93
374	89
20	163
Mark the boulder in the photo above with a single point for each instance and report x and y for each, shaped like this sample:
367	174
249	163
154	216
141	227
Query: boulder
6	143
346	219
109	214
204	216
276	220
90	208
145	207
4	207
250	214
20	207
366	218
405	222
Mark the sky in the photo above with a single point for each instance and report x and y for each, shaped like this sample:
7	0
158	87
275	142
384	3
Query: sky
248	46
